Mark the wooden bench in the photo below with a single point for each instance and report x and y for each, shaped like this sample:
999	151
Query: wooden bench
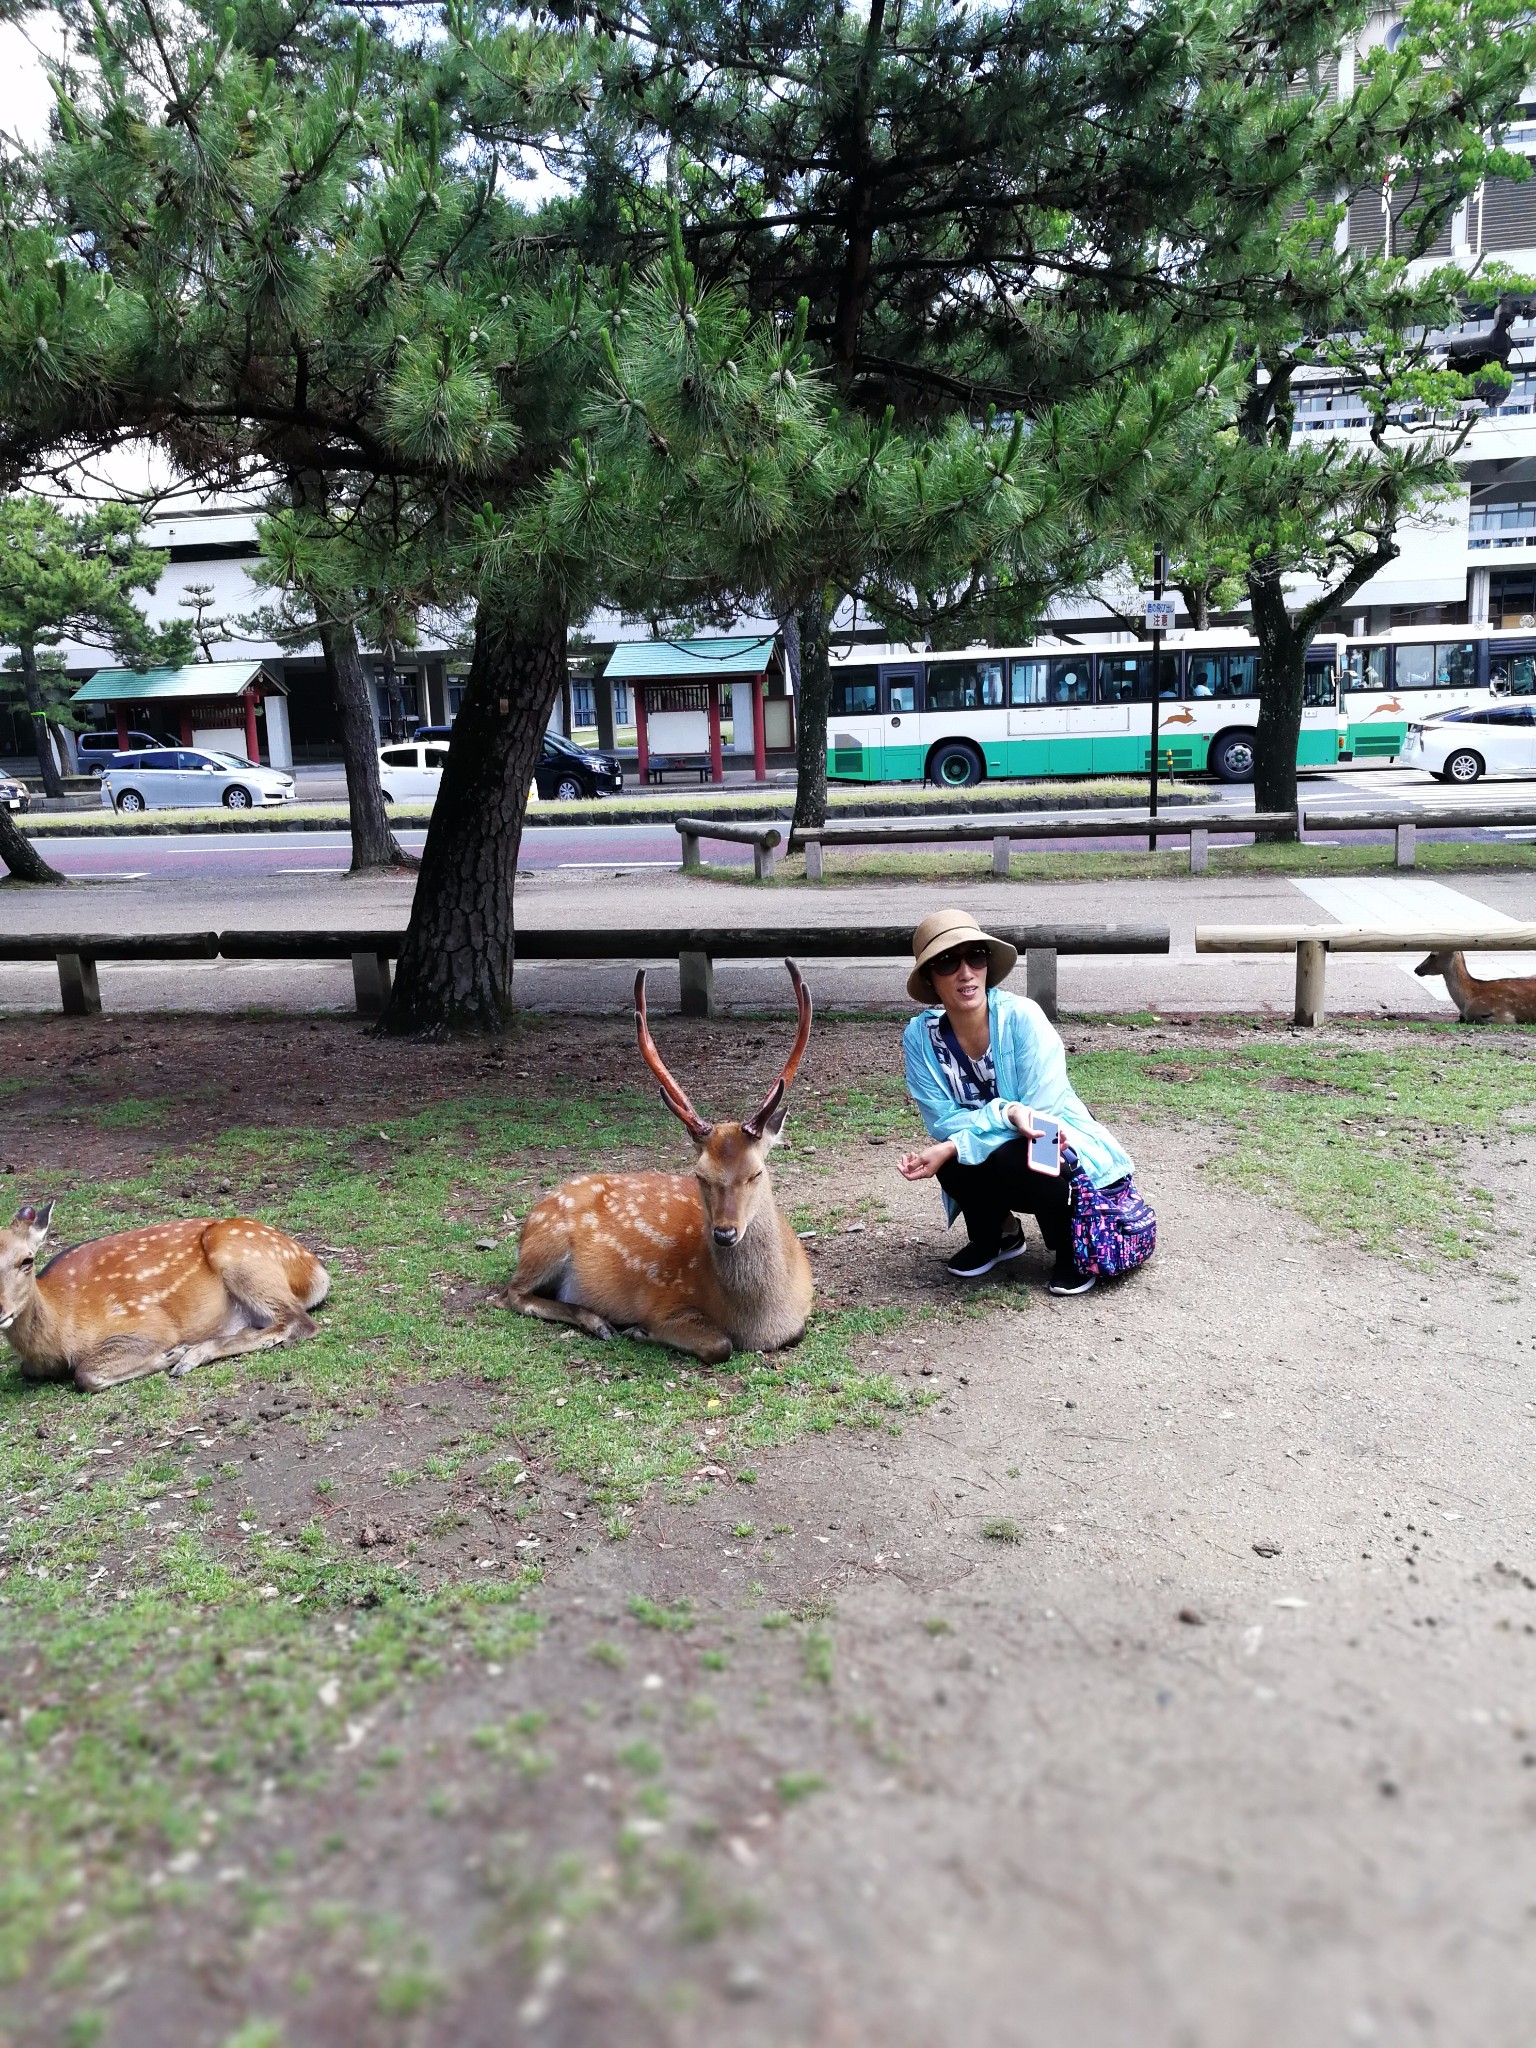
695	949
763	839
1313	943
1195	823
660	766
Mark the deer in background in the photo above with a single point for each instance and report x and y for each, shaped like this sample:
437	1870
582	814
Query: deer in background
163	1299
1483	1002
704	1262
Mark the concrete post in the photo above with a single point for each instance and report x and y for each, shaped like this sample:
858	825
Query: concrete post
1001	850
1199	850
813	868
690	852
1040	978
1311	970
762	861
1407	835
79	990
696	984
372	979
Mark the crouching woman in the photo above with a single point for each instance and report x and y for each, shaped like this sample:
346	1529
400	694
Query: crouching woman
980	1060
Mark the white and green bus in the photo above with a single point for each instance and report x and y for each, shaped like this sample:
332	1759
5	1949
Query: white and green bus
899	715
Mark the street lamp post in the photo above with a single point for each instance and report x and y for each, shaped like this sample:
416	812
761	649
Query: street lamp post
1159	617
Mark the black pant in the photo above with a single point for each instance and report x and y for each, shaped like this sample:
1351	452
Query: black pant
1002	1184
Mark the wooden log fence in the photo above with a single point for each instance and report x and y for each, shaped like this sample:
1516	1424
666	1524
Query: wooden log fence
695	949
1313	943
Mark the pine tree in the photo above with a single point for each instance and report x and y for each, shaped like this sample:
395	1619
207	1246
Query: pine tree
74	577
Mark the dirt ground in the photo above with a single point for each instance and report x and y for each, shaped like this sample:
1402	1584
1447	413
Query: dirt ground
1169	1678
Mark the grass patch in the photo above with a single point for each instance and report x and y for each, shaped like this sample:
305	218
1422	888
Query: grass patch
1366	1138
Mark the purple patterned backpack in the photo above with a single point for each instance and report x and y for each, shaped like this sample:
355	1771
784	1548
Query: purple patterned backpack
1113	1229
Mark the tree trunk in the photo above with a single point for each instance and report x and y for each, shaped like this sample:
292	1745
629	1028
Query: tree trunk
373	843
21	856
62	751
814	694
34	696
455	972
1282	690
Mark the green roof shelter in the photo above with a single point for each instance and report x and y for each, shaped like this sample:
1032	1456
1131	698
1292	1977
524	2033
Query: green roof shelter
677	682
208	699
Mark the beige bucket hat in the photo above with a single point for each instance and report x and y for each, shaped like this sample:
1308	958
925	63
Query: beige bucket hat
941	930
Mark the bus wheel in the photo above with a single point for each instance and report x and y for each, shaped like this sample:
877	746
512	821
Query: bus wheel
1231	757
955	766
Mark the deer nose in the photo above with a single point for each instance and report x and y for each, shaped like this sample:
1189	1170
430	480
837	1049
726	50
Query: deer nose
728	1235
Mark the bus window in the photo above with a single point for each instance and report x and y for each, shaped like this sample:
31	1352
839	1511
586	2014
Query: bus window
1415	668
1242	676
989	683
952	686
901	691
1513	675
1207	675
1071	681
1456	665
1029	682
1127	678
1365	668
1317	685
854	690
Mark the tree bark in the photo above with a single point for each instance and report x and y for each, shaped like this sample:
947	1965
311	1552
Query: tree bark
34	696
21	856
374	845
455	971
1282	691
813	696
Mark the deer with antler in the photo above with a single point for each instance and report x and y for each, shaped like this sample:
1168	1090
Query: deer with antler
1483	1002
704	1263
162	1299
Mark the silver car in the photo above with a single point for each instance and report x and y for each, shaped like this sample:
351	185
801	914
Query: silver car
188	779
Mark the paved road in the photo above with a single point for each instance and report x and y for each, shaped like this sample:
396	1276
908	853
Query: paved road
599	849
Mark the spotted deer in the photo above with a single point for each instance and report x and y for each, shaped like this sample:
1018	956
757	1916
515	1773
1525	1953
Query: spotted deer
704	1263
163	1299
1483	1002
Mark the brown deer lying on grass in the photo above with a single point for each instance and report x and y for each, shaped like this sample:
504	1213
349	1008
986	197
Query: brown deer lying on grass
703	1262
1483	1002
163	1299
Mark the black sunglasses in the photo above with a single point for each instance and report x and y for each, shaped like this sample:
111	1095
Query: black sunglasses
950	962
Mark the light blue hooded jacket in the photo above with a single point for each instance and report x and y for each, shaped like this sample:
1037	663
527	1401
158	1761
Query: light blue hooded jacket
1030	1063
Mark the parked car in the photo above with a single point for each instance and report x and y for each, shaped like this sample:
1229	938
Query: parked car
96	749
1460	746
412	773
567	772
14	795
167	778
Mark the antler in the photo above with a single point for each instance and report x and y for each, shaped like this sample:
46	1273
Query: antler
671	1094
756	1123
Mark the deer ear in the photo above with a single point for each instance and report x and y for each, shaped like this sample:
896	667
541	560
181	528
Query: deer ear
34	1221
773	1124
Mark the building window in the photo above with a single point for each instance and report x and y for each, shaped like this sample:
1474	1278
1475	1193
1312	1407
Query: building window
1512	598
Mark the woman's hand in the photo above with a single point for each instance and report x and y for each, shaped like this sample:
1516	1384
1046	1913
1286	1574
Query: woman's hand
1022	1117
925	1164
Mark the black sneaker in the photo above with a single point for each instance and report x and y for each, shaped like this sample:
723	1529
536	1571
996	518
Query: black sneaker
1067	1280
971	1264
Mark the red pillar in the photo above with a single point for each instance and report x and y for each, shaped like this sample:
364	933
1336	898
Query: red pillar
759	737
122	729
716	762
252	749
186	728
642	741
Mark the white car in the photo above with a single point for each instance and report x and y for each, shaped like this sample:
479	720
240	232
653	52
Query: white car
186	778
1460	746
412	773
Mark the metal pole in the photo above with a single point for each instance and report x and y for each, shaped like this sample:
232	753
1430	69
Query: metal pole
1159	570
